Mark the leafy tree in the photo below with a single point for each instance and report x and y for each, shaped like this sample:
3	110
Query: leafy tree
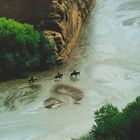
23	49
14	35
107	123
111	124
131	114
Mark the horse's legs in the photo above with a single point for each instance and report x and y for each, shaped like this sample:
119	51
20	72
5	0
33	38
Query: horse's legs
30	82
71	76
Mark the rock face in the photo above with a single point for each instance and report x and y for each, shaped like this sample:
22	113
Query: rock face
59	20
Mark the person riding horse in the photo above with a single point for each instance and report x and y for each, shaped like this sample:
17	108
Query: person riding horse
32	80
74	74
58	76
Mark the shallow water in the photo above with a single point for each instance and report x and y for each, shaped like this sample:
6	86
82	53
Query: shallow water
107	55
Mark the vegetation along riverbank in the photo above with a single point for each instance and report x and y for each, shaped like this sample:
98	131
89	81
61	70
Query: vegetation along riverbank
112	124
23	49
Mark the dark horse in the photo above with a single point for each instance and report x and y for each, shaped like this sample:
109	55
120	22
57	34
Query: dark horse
58	76
32	80
75	74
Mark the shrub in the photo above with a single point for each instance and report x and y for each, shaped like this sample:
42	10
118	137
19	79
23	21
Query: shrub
18	47
22	48
131	114
111	124
16	35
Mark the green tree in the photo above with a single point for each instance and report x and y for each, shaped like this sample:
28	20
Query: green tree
23	49
131	114
107	125
111	124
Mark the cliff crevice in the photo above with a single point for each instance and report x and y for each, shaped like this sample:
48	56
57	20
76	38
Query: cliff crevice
64	23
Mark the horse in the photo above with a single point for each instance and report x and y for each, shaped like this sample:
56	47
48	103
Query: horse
32	80
58	76
75	74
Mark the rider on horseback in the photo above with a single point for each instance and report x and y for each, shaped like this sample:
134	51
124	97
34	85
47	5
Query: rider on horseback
74	74
58	76
32	80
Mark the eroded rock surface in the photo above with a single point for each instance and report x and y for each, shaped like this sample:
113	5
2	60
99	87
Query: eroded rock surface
64	23
63	94
14	98
60	20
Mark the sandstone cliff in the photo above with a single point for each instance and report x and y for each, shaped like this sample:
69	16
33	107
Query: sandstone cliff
59	20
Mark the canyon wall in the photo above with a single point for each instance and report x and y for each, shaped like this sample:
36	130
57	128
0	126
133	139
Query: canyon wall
59	20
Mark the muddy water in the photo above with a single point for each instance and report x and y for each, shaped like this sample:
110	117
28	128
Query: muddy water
107	54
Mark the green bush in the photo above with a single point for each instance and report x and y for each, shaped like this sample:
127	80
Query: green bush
111	124
131	114
18	47
14	35
22	48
